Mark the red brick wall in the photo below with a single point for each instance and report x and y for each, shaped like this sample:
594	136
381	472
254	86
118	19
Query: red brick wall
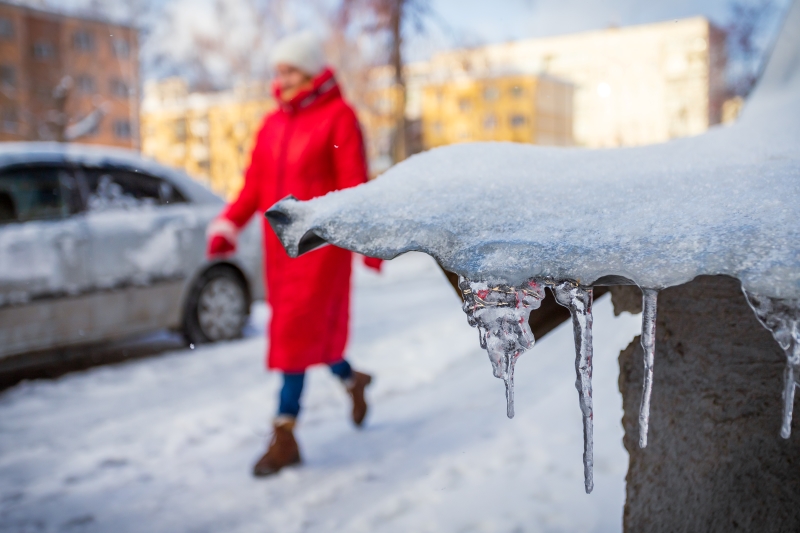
102	60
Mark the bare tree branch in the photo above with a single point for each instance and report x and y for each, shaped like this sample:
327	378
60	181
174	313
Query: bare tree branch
747	44
388	18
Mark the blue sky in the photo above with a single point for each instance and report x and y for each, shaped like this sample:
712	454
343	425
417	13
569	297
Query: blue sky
501	20
488	21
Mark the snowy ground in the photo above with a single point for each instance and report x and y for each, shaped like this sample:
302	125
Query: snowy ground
166	444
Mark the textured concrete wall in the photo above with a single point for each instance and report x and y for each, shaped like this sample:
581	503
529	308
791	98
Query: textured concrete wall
715	461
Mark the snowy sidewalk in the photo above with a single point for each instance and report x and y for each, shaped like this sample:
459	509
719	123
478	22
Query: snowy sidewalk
166	444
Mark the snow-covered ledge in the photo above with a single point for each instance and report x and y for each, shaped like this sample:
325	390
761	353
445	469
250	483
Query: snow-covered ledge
511	219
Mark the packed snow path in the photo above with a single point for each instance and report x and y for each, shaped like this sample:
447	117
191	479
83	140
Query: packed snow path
166	444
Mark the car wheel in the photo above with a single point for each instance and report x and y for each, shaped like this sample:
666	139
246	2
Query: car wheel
217	308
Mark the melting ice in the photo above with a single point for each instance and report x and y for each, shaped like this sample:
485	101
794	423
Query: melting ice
649	309
579	302
500	312
782	318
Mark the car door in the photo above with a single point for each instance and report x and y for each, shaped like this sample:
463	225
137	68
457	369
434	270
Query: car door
140	230
43	251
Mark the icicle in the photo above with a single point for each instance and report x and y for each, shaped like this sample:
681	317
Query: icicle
500	312
649	302
579	302
789	382
782	319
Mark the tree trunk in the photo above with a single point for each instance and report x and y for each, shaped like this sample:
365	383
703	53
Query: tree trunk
399	140
715	460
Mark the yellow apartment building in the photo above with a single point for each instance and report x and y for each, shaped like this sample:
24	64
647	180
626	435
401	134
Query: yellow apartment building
631	86
527	109
210	135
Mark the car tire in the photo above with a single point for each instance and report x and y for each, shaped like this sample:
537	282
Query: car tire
217	308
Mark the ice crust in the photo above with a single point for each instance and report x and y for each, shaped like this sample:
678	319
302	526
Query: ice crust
658	215
782	318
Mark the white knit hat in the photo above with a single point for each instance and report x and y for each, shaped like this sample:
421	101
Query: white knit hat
302	50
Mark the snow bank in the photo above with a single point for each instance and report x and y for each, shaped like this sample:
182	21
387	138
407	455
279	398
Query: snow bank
166	444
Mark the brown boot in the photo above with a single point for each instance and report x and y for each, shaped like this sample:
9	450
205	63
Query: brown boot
283	450
355	387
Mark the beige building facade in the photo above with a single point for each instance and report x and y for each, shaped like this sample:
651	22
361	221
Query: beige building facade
632	86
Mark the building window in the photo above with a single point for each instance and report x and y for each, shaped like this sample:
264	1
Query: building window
464	104
10	121
8	77
85	84
6	28
43	50
517	121
517	91
119	88
122	129
180	130
490	94
121	48
83	40
489	122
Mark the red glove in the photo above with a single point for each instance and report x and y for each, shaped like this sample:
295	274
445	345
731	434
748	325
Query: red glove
373	262
221	235
219	246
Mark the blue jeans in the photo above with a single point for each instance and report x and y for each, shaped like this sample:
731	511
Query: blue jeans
293	387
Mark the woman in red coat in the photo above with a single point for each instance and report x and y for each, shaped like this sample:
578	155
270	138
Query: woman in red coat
309	146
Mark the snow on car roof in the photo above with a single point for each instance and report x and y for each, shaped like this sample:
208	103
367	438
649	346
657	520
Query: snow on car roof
725	202
14	153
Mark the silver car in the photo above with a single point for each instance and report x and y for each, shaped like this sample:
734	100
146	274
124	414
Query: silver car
97	244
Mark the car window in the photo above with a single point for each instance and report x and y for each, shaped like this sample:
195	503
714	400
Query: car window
37	193
111	188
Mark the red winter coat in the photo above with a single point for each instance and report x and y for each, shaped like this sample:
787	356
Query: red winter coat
308	147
